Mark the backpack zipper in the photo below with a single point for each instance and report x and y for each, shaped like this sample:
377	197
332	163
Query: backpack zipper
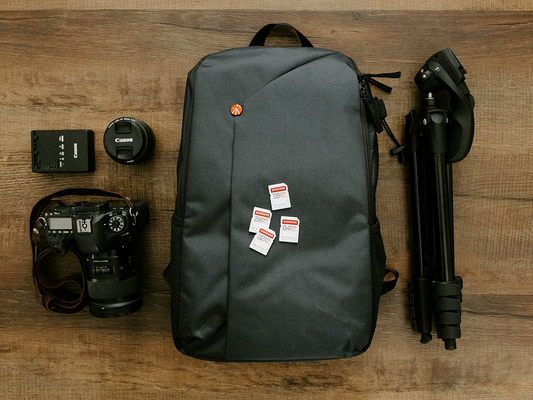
184	145
377	110
365	94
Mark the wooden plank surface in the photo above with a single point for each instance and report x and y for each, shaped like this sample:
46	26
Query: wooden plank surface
65	69
256	5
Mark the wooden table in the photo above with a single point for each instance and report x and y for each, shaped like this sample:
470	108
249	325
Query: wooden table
72	65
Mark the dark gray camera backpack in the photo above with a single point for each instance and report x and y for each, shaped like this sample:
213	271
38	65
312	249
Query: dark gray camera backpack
264	125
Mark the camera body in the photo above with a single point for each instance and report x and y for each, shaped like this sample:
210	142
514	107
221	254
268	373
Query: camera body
95	227
103	234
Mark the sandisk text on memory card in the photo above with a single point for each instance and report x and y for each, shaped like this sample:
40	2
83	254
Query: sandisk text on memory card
279	196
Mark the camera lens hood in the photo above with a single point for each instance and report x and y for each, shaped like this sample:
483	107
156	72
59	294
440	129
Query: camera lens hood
129	140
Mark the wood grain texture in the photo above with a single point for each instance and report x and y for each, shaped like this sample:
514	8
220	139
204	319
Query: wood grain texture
294	5
68	68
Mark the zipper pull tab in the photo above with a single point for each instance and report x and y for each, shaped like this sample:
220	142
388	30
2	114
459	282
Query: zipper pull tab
374	106
399	149
378	112
382	86
394	75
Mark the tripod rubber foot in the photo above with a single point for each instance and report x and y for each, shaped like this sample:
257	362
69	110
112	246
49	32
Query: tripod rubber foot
426	338
450	344
447	300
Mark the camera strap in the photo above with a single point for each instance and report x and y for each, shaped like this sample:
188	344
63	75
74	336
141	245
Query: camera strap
67	295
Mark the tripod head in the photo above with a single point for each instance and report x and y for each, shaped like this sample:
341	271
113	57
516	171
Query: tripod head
443	71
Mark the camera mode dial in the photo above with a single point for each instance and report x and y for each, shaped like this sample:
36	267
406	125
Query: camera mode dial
117	223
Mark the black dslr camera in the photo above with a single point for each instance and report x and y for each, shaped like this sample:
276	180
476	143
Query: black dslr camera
103	234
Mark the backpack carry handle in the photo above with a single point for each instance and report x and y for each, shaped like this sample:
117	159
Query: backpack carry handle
262	34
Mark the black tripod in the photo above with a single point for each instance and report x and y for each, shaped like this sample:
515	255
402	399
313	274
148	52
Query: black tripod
436	137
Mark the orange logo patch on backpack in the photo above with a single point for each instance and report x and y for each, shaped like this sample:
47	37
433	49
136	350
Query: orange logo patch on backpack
236	109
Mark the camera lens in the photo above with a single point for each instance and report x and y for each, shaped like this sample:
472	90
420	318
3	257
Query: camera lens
113	283
115	307
129	140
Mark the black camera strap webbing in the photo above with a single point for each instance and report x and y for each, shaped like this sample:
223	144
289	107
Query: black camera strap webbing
67	295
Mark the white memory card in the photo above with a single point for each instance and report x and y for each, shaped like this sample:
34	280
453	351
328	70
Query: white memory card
263	240
260	219
289	229
279	196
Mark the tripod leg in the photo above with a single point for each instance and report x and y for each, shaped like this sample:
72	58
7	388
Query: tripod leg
451	239
447	287
419	285
445	217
